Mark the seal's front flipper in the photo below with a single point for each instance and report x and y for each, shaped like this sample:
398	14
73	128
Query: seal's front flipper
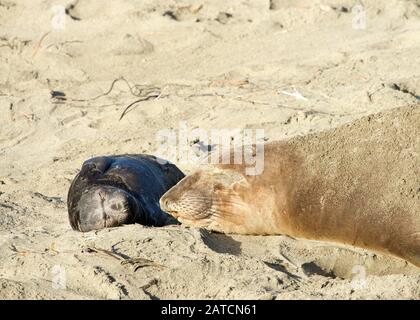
100	164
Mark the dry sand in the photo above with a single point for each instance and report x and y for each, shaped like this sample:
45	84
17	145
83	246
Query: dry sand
213	64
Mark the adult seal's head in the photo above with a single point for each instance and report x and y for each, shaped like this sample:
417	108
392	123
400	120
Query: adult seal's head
116	190
217	199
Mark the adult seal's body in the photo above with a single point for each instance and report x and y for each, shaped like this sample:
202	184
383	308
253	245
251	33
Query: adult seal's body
358	184
116	190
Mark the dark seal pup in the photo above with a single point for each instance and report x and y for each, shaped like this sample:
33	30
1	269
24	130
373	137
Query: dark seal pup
123	189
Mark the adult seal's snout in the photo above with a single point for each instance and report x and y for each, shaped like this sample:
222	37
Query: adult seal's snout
116	190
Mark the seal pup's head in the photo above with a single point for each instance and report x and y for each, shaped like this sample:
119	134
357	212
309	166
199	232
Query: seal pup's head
221	200
103	207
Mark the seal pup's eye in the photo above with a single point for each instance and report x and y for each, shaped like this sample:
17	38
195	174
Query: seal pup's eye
116	206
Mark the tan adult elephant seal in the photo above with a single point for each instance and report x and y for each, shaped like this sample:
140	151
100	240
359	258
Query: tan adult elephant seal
358	184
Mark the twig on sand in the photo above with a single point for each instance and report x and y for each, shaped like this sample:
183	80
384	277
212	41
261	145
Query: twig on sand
144	92
107	252
17	251
25	252
47	198
136	90
136	263
156	96
38	46
101	95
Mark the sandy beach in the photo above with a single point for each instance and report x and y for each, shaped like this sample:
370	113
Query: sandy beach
87	78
